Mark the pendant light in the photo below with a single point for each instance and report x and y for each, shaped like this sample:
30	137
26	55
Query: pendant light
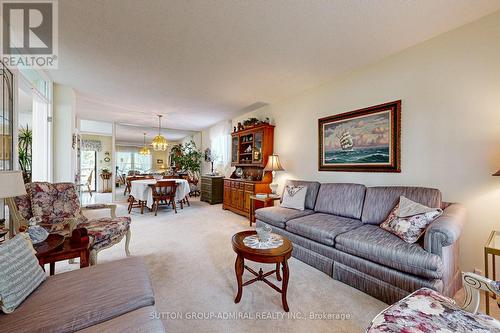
144	150
159	142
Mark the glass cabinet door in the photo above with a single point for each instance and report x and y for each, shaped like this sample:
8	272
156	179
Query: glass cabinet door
234	149
257	147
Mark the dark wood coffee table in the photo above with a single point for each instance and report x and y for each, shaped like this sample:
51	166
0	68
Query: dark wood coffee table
58	248
279	255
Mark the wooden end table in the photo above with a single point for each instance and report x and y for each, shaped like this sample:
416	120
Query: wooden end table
55	249
492	247
279	255
256	203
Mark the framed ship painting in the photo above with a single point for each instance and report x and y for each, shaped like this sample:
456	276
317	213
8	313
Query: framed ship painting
366	140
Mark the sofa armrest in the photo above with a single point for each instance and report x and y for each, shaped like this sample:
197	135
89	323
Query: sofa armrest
446	230
111	207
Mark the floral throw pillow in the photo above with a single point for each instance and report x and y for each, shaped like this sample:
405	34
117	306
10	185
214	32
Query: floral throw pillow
54	203
409	219
294	197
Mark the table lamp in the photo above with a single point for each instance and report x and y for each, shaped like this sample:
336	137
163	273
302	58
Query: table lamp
12	184
273	165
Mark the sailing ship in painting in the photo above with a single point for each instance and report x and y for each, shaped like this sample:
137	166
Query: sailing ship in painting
345	140
363	140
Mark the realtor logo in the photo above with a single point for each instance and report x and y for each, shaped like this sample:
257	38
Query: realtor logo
29	33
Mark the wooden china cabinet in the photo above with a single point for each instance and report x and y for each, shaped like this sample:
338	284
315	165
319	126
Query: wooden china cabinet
250	149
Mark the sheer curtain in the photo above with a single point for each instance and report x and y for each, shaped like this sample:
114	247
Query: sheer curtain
40	150
220	145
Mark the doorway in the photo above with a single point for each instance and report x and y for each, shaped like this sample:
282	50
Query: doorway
88	169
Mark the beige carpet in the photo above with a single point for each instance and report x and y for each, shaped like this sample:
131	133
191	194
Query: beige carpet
191	263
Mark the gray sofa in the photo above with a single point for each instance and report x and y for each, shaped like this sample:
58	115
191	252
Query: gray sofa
112	297
339	234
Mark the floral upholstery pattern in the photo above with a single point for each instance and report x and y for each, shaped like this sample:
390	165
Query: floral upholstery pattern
410	228
57	208
54	203
427	311
23	205
105	230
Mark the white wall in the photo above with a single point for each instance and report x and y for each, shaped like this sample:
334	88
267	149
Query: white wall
63	129
450	92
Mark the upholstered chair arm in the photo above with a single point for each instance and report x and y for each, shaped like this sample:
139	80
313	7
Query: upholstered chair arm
111	207
473	284
446	230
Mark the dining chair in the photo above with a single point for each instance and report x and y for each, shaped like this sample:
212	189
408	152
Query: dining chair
88	183
171	177
132	202
164	193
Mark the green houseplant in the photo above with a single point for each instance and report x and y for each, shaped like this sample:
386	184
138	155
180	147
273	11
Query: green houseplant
25	143
187	157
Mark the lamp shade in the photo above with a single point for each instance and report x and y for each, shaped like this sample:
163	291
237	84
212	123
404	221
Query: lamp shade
11	184
273	164
497	173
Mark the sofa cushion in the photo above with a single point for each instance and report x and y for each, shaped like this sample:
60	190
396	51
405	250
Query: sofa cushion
20	273
81	298
322	228
373	243
341	199
278	216
294	197
379	201
142	320
312	191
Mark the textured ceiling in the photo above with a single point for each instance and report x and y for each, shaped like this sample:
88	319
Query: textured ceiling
200	61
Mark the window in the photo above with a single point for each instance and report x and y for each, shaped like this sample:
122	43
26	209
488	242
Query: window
220	145
129	159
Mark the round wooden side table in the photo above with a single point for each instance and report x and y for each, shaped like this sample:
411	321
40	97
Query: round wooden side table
278	256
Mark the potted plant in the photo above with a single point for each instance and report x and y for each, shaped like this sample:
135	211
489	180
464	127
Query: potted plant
188	158
25	142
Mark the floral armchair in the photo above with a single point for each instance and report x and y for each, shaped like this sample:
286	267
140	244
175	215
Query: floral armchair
428	311
57	208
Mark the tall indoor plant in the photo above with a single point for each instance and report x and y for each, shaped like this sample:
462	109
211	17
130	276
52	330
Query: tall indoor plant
187	158
25	143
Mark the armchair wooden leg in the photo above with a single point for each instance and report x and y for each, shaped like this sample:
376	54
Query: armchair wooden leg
187	201
93	258
175	206
127	243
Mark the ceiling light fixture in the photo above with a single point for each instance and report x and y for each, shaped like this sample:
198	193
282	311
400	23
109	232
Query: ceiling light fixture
159	142
144	150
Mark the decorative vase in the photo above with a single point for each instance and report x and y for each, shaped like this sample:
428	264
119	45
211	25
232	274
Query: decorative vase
264	233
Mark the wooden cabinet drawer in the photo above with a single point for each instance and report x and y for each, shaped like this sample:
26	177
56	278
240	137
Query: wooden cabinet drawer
249	187
227	183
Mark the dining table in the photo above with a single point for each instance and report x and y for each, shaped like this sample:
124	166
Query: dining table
141	190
